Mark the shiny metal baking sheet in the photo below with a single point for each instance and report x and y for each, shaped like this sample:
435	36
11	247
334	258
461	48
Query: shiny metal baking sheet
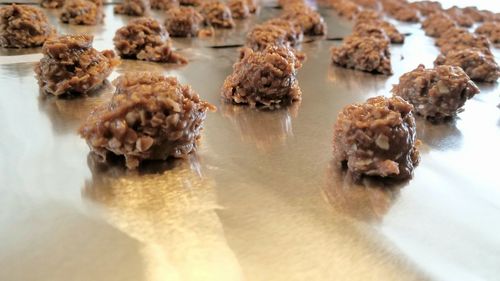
260	200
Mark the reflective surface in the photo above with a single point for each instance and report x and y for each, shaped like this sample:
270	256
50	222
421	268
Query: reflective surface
261	199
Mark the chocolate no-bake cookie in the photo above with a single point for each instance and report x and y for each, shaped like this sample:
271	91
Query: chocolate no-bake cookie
183	22
370	30
401	10
149	117
309	20
377	138
346	8
426	7
368	4
217	14
52	4
133	7
474	13
368	15
490	29
285	4
436	93
406	14
71	66
23	26
263	35
273	32
363	53
252	6
164	4
81	12
146	39
239	9
437	23
264	78
390	30
460	38
459	16
294	34
478	65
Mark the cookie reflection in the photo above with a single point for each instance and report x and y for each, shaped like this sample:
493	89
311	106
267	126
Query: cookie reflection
441	136
67	113
264	128
170	208
20	51
128	65
366	200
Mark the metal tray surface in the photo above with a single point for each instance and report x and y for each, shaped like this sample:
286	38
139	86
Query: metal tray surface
261	199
